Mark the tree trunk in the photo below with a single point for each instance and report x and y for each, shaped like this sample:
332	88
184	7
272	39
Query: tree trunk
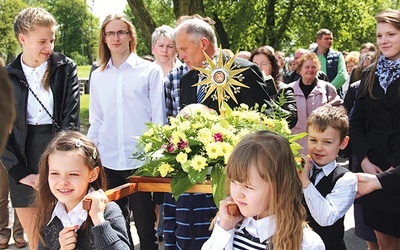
222	35
270	22
144	20
185	7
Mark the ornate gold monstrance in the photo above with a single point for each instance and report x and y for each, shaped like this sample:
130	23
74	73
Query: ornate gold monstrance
222	81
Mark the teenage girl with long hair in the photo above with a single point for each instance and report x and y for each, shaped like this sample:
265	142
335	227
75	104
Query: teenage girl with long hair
47	95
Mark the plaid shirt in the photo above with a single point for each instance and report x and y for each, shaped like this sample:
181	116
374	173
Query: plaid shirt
172	89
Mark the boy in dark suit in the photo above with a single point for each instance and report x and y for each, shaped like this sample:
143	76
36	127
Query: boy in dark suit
330	189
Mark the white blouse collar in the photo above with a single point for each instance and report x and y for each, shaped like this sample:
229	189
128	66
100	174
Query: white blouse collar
77	216
261	228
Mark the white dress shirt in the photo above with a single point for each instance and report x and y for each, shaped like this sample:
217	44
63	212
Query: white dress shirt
36	115
334	206
262	229
122	101
74	217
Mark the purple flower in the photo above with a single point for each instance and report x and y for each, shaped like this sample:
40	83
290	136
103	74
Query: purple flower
218	137
170	148
182	144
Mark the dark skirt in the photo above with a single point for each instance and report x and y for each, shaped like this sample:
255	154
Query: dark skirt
360	229
36	142
382	221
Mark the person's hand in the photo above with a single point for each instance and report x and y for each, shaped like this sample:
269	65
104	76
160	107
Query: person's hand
304	175
99	202
227	221
30	180
369	167
366	184
68	237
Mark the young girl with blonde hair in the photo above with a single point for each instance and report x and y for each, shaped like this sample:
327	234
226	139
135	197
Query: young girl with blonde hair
46	91
70	171
264	184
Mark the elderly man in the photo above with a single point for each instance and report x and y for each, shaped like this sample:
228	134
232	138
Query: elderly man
187	219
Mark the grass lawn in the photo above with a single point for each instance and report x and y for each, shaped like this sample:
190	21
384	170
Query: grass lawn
84	114
83	71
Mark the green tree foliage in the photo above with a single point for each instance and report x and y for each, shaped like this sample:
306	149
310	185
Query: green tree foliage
285	24
160	11
9	45
77	33
240	25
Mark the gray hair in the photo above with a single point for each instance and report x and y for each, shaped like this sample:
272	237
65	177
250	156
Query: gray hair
196	29
163	30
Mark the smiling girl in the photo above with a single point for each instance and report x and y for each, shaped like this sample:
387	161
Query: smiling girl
375	126
70	170
265	186
47	99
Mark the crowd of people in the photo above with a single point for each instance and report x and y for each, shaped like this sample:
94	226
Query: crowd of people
348	105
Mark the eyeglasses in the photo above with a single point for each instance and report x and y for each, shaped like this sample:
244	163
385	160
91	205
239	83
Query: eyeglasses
263	64
120	33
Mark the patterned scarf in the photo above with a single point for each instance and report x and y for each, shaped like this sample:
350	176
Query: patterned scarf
388	71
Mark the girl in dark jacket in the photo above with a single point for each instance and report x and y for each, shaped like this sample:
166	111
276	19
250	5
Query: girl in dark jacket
375	126
47	100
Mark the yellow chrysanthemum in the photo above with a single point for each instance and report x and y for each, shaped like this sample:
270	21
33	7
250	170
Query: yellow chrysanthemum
181	158
214	150
226	157
198	163
185	125
165	169
226	149
205	136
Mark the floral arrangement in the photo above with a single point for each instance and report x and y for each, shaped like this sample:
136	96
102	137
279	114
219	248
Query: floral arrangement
197	143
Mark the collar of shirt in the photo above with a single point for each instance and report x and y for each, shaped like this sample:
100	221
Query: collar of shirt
262	228
77	216
327	170
131	60
28	71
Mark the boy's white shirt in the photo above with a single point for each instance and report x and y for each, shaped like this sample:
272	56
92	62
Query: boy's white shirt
326	211
77	216
262	229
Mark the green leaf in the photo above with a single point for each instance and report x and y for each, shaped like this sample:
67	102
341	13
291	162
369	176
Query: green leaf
179	185
196	176
218	184
295	137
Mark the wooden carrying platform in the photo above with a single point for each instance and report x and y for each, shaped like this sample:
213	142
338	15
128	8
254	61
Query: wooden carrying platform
146	184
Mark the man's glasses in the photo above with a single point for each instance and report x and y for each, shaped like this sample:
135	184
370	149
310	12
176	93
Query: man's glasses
120	33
